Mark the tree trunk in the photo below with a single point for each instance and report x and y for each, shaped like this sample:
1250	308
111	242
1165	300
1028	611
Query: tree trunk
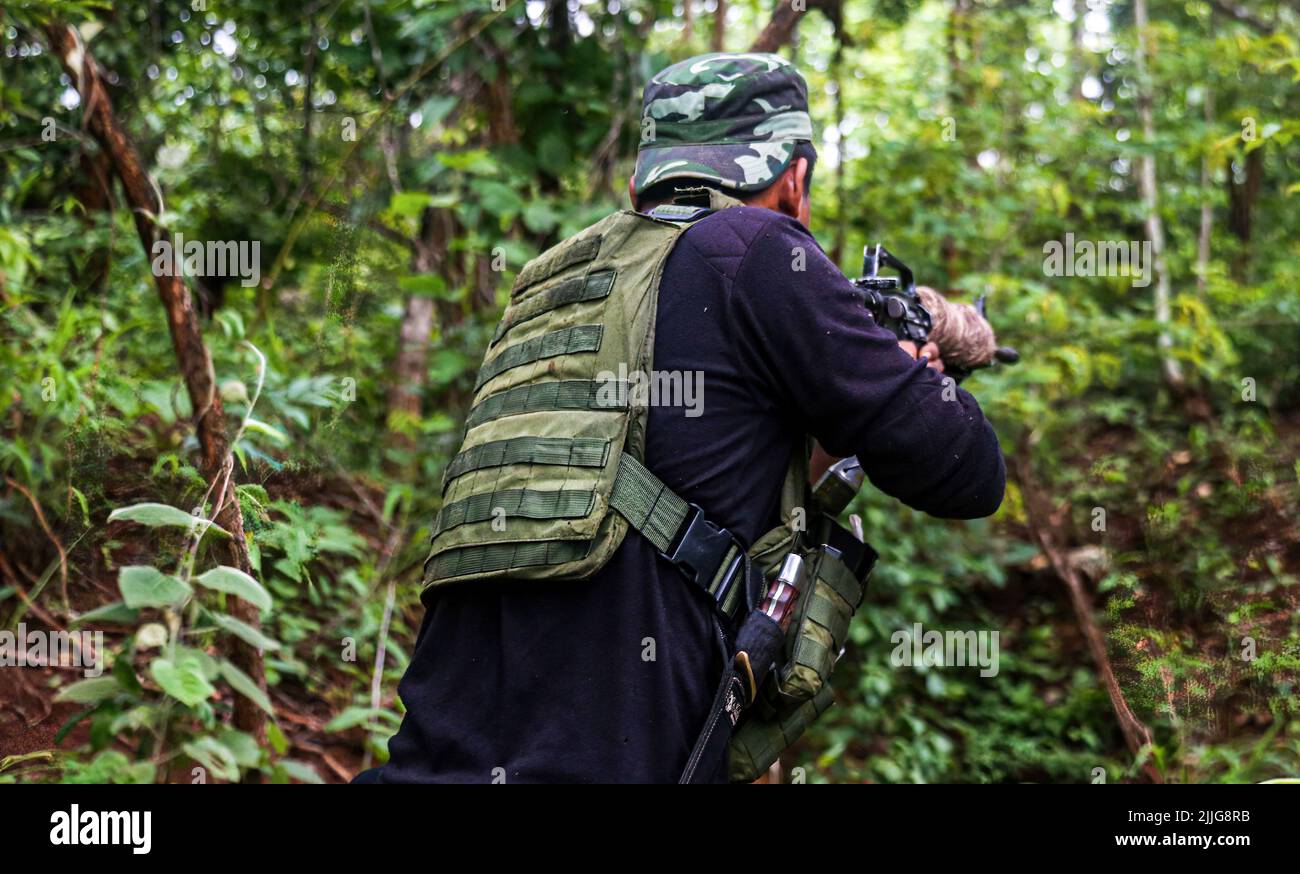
561	29
1078	54
306	155
1207	208
720	28
1241	206
1173	372
500	103
430	256
779	30
404	406
781	27
956	34
841	206
187	340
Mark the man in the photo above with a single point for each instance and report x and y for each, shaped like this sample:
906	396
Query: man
610	679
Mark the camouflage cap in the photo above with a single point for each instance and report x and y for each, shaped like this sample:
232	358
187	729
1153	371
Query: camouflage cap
732	119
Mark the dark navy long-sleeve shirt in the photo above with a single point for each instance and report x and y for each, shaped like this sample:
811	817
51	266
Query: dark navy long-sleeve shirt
610	679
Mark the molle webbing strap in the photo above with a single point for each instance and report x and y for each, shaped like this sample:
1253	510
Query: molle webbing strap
845	588
542	268
659	514
583	338
499	557
823	612
566	451
648	505
580	288
522	503
812	654
565	394
760	740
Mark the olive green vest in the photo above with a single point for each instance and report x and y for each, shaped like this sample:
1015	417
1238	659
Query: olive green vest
552	441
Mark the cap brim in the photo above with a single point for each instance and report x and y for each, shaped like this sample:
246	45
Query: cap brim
742	167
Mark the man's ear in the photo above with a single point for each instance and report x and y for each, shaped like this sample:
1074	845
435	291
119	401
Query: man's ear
800	177
631	191
792	188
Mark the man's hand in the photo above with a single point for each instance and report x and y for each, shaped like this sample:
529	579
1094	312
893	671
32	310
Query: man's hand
928	349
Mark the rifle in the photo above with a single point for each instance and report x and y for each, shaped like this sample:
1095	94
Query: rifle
920	314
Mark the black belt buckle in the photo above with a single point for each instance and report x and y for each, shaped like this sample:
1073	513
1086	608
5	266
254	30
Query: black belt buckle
700	551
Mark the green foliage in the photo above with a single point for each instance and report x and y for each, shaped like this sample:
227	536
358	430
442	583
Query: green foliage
392	153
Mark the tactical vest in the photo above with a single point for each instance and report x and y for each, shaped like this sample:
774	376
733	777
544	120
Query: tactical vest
550	474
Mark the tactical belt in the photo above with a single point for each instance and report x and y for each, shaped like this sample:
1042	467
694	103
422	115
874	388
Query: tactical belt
710	556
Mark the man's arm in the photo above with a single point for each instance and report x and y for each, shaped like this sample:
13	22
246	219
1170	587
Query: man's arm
810	342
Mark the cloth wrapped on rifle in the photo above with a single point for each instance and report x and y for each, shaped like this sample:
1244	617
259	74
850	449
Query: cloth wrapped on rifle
964	337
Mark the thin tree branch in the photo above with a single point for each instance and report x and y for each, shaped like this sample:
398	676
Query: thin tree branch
1038	517
391	234
45	526
1241	14
187	339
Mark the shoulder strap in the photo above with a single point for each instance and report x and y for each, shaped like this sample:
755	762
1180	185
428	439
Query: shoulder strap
709	556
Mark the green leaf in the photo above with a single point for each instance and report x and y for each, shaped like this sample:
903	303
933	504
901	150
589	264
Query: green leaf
90	691
116	613
233	581
244	631
125	673
275	737
182	679
409	203
144	586
299	770
540	218
110	766
138	773
553	153
213	755
428	284
497	197
435	109
207	664
244	685
83	503
242	746
275	435
475	161
447	365
163	515
353	716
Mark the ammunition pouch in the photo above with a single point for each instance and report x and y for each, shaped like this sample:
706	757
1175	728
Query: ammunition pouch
794	695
